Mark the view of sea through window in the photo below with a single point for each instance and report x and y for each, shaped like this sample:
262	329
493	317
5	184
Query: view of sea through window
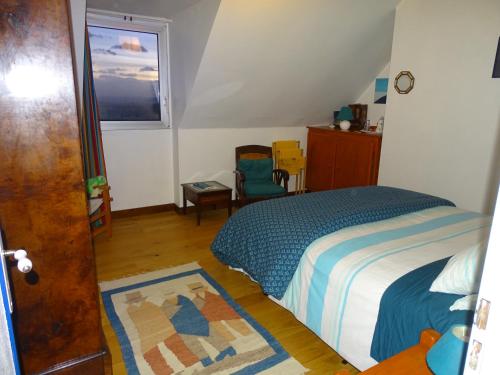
126	78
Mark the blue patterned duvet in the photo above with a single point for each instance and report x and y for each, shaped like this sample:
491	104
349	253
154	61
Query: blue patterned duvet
267	239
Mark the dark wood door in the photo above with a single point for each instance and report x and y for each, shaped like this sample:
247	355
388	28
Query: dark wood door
320	161
42	201
353	162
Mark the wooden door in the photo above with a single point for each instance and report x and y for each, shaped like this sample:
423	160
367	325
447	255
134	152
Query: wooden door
320	158
42	201
354	161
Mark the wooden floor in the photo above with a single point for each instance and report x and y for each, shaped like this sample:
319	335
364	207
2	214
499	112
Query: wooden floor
151	242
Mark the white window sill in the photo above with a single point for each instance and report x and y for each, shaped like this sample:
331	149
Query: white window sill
135	125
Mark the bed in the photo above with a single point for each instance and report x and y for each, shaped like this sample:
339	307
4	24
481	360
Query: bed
354	265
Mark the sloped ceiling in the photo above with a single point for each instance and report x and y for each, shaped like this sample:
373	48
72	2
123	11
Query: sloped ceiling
287	62
189	33
265	63
152	8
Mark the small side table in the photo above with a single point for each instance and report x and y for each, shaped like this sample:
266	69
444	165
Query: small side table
410	361
214	194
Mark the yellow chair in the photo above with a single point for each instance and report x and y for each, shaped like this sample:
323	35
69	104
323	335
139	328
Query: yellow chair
282	145
294	162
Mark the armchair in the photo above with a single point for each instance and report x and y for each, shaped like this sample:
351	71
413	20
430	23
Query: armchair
255	177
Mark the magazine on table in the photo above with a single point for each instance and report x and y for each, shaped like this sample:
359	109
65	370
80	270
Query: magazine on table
205	186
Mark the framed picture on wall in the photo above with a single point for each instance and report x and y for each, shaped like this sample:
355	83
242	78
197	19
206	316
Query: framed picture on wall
496	66
381	85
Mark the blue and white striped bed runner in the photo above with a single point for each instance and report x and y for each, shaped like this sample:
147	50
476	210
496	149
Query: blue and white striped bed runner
341	278
267	239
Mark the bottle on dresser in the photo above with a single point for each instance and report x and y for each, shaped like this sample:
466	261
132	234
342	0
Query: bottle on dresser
380	125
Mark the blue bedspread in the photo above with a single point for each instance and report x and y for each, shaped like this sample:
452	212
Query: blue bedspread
267	239
407	308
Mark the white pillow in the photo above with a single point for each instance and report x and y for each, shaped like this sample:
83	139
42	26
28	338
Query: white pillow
462	273
465	303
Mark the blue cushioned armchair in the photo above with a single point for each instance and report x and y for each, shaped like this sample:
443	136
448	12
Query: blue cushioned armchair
255	177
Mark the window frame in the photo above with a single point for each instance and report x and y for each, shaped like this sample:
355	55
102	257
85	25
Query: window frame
159	26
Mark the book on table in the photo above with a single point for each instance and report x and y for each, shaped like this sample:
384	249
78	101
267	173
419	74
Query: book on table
205	186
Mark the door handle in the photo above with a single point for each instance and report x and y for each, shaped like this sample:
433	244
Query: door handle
24	264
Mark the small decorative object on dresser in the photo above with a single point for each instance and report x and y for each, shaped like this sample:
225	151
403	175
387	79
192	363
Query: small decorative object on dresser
339	159
335	120
360	113
345	116
380	125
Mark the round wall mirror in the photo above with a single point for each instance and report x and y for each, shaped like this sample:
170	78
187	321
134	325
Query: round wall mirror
404	82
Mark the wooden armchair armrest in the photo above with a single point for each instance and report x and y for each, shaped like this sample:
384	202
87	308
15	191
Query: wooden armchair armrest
240	175
240	181
102	187
103	212
104	193
281	175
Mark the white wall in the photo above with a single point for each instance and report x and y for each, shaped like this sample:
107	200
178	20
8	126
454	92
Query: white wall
208	154
375	111
139	166
443	137
189	32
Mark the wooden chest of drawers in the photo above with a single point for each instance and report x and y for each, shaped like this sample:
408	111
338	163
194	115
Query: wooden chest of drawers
340	159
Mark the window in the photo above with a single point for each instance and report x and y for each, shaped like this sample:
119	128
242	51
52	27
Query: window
131	70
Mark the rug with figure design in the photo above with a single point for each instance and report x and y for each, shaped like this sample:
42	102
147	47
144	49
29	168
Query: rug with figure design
179	320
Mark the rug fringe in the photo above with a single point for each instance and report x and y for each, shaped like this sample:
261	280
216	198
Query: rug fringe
143	271
131	277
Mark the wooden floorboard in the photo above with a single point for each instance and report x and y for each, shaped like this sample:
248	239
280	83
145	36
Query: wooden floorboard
155	241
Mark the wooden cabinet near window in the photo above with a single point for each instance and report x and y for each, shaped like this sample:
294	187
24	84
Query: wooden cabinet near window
339	159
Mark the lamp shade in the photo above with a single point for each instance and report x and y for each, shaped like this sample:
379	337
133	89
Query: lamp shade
345	114
447	356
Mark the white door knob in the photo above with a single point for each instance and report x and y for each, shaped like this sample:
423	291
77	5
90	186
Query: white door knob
23	263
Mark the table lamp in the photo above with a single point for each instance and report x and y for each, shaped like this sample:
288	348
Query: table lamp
447	356
345	116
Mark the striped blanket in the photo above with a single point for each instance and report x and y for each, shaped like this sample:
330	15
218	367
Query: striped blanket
267	239
341	277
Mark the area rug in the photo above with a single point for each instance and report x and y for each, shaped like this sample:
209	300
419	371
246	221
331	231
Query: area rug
179	320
